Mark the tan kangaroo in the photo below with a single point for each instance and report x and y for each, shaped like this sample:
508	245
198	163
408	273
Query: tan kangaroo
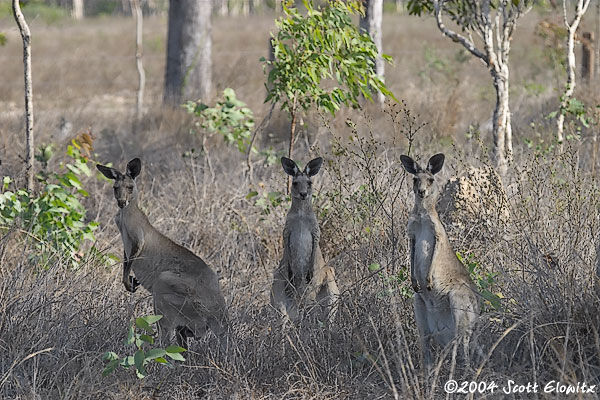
446	303
302	276
185	290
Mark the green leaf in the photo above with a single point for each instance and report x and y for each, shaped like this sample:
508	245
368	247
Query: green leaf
127	362
374	267
130	335
152	319
141	323
110	367
176	356
494	300
155	353
147	339
175	349
110	356
141	372
138	358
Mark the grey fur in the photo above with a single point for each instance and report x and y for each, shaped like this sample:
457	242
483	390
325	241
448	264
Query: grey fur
185	290
302	276
446	303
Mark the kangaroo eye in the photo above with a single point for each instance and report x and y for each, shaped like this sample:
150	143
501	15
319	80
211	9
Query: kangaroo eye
130	189
415	180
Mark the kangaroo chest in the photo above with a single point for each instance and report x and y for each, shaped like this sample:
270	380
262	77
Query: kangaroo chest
126	236
301	244
424	247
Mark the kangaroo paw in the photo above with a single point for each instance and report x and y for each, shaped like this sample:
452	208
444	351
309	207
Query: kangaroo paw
416	287
131	284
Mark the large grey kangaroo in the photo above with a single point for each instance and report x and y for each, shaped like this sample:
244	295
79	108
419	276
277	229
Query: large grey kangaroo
185	290
302	276
446	303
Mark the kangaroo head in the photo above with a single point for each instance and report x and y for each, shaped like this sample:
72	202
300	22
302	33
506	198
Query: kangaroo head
125	188
301	182
423	181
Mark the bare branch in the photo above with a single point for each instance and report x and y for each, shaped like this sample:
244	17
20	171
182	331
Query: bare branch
469	45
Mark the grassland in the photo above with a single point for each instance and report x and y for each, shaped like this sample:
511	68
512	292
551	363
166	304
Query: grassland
56	323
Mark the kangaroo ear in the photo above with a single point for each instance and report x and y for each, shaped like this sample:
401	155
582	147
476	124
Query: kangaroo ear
108	172
435	163
409	164
313	167
134	167
289	166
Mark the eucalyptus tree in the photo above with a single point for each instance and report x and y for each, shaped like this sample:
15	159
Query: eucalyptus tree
487	28
189	47
321	46
581	7
371	23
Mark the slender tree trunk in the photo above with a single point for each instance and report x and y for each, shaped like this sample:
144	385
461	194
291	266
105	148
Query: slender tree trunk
569	89
587	57
294	113
136	10
597	42
77	11
222	8
501	129
371	24
26	36
189	44
580	9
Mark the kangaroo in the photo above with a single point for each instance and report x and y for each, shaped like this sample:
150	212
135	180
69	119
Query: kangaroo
302	275
185	290
445	302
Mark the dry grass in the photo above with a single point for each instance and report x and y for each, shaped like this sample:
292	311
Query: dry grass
55	324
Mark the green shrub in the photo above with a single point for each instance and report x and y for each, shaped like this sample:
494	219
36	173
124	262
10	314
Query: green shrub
139	336
55	218
229	118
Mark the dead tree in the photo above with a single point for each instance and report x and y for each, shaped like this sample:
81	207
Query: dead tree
371	24
580	9
26	36
136	10
189	45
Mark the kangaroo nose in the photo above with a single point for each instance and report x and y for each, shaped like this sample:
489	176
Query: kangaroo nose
421	193
121	203
303	194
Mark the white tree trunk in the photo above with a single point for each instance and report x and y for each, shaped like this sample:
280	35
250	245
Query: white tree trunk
495	24
371	23
26	36
77	11
136	10
502	130
580	9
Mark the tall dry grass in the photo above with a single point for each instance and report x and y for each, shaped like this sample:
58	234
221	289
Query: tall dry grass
56	323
